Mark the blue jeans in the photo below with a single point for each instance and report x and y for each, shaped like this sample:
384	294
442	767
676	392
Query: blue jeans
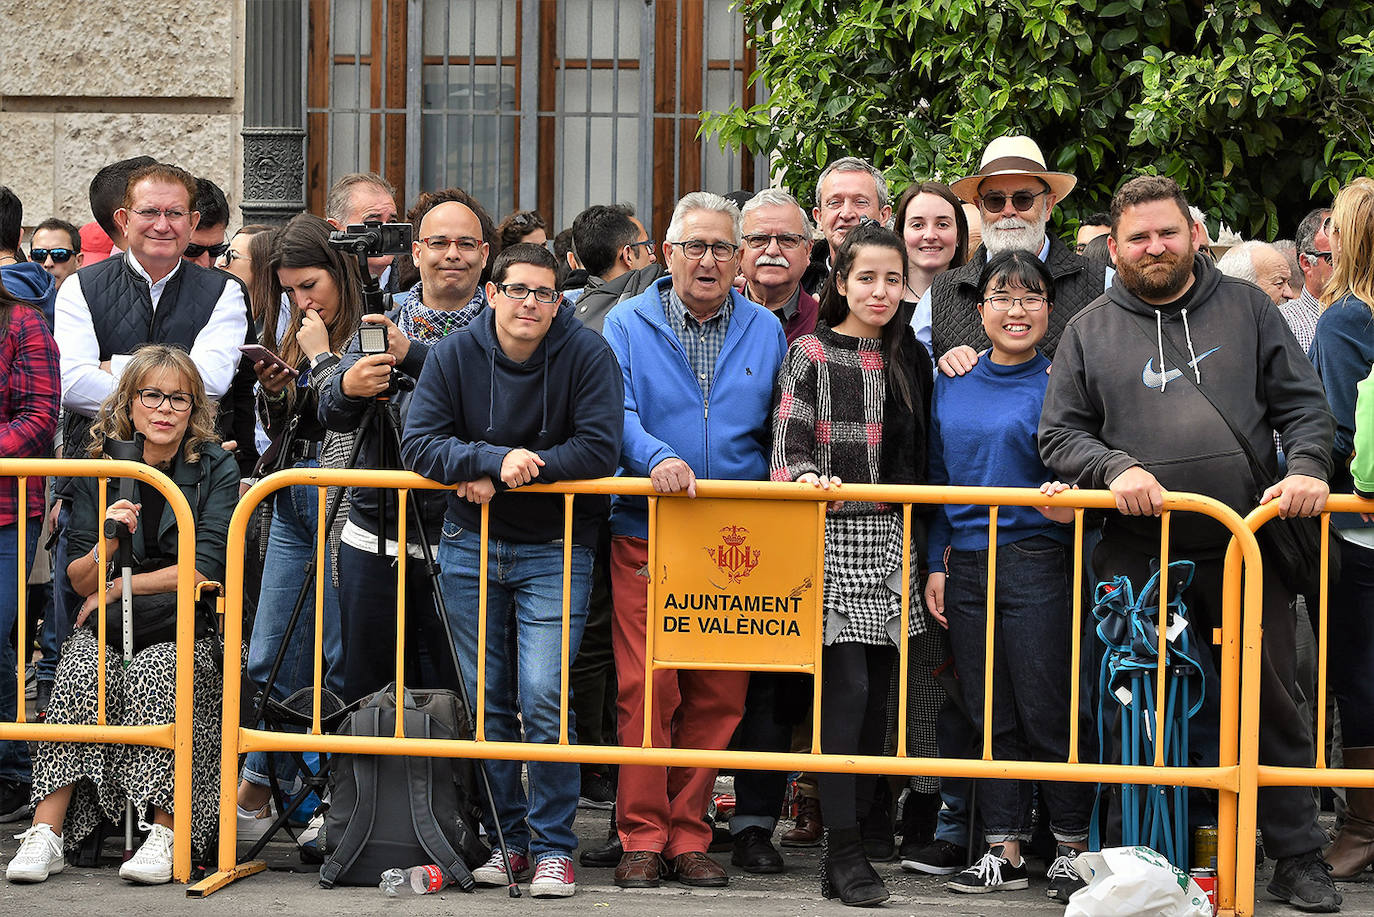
1030	678
524	665
289	547
57	626
14	756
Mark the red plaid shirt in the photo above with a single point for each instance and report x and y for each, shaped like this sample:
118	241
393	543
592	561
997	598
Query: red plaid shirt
30	392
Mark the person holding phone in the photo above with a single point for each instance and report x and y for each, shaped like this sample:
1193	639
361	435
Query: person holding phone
325	293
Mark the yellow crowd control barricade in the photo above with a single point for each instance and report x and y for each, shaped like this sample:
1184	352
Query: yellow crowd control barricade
176	735
1320	773
735	580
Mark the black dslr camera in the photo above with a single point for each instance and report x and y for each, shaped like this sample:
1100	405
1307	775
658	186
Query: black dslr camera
373	239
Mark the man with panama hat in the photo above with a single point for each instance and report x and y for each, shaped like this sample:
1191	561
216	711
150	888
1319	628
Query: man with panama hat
1016	194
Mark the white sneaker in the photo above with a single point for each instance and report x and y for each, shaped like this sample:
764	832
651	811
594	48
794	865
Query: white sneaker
40	855
151	864
253	825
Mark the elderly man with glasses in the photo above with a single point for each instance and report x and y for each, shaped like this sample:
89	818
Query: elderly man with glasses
698	362
1016	194
777	252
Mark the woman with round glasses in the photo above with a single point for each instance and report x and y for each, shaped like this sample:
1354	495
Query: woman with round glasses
323	288
78	785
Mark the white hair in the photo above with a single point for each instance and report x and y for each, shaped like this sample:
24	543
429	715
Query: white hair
855	164
1200	219
776	197
702	200
1239	260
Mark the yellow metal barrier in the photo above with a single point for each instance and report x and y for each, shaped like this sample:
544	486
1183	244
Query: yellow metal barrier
1320	774
175	735
1227	778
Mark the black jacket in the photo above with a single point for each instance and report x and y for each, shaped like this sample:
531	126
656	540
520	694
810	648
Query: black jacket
954	298
599	297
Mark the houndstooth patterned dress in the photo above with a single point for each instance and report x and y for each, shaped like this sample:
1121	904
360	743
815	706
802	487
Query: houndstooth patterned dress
143	694
828	421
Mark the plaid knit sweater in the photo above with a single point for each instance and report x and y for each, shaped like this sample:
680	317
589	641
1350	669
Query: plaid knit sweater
829	416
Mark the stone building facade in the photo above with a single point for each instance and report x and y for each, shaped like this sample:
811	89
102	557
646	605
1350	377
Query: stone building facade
546	105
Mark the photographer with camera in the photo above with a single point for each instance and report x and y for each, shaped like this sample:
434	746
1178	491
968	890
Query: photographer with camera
379	371
324	289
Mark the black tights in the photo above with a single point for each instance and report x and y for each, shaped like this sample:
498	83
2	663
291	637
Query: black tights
854	684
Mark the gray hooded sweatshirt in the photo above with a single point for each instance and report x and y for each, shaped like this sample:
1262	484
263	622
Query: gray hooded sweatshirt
1124	391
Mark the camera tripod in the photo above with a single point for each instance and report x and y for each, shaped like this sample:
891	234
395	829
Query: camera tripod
380	423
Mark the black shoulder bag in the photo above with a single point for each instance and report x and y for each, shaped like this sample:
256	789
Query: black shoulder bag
1291	547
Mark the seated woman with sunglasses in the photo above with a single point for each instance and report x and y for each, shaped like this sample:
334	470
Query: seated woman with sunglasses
77	785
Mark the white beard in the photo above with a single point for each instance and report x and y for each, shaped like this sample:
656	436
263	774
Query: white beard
1015	234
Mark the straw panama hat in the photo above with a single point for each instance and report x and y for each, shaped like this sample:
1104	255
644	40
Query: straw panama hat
1019	155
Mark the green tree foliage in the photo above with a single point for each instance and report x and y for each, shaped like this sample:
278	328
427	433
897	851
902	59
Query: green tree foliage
1255	108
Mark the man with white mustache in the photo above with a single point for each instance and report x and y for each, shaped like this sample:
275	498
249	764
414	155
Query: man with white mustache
1016	194
777	251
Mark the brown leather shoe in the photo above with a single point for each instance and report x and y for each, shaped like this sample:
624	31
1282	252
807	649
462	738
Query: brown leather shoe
640	869
697	869
809	829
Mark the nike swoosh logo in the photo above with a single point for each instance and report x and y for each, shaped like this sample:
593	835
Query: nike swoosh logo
1155	379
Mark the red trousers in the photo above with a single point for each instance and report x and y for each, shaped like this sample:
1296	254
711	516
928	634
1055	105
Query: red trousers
661	808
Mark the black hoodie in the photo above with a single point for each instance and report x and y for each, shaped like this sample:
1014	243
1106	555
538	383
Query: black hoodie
473	404
1117	399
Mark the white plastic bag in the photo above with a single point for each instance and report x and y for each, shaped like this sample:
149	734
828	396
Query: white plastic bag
1134	882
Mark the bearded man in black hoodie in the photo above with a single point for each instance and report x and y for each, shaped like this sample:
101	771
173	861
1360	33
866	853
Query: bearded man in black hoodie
1148	384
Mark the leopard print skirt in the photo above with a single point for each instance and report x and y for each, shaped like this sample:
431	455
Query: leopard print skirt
103	776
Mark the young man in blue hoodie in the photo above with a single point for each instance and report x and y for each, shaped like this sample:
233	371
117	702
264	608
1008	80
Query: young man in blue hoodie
525	394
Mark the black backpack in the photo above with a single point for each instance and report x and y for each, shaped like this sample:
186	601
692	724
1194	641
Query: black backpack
389	810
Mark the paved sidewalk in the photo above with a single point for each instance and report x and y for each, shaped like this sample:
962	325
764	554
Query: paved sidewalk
792	894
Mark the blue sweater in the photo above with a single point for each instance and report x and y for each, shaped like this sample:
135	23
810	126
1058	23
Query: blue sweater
982	434
723	436
1343	351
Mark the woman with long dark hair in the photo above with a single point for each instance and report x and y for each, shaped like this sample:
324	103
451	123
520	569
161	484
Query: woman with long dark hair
325	292
862	377
934	229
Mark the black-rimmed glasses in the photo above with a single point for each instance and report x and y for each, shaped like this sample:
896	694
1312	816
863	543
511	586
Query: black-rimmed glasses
696	249
519	291
58	255
153	398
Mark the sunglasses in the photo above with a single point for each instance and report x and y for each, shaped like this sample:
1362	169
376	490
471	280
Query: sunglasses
195	251
994	201
1319	256
58	255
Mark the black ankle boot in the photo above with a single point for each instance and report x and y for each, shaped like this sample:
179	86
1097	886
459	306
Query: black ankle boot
919	813
845	871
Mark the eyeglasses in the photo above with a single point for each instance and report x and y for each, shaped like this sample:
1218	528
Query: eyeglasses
647	243
195	251
518	291
58	255
695	249
151	214
466	244
787	241
1000	302
153	399
1320	256
230	256
994	201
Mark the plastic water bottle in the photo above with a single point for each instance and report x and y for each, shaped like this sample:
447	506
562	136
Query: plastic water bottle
417	880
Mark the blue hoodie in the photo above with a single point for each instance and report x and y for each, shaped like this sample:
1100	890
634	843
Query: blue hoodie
473	404
29	282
